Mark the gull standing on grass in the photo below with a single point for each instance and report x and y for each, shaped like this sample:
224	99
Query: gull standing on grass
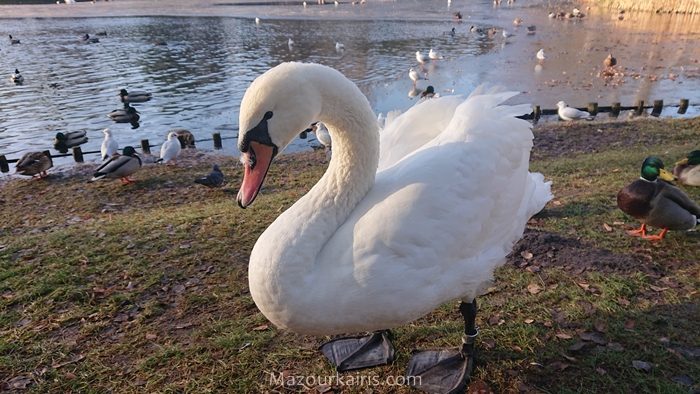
170	148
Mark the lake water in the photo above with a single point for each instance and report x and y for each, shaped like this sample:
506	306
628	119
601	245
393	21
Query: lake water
215	49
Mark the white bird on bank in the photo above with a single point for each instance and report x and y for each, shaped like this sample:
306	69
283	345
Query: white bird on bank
322	134
433	55
339	46
381	240
568	113
290	43
170	148
109	145
421	58
540	55
257	20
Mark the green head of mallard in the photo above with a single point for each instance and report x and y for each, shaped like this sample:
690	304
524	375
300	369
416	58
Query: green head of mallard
653	168
692	159
60	137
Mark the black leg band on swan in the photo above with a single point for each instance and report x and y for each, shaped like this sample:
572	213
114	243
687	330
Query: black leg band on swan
446	371
351	353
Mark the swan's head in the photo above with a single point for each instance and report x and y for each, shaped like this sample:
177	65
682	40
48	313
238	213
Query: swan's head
276	106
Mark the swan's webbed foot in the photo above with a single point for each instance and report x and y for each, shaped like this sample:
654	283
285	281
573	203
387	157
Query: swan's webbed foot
446	371
359	352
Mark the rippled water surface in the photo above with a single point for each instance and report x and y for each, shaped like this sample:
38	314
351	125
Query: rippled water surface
199	76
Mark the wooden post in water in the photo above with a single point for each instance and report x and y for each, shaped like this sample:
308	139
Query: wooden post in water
684	106
78	154
593	108
658	107
536	113
4	165
145	147
640	108
217	141
615	110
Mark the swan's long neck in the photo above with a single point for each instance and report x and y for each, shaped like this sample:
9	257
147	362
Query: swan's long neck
283	260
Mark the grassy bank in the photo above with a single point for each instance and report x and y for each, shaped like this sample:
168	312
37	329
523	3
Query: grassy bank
143	288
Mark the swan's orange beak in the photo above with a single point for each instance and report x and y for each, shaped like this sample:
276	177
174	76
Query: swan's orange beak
256	161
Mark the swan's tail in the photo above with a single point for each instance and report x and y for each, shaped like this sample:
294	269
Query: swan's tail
541	194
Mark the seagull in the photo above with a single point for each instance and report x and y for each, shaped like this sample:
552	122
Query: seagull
339	47
540	55
434	55
304	4
17	77
568	113
214	179
610	61
170	148
415	76
109	145
257	20
336	3
290	43
322	134
421	58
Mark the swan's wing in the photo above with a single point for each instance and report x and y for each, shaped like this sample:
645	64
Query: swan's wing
414	128
443	218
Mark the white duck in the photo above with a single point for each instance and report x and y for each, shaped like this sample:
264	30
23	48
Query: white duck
369	250
568	113
109	145
170	148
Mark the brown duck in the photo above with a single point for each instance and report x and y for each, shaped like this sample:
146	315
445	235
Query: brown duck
34	163
657	203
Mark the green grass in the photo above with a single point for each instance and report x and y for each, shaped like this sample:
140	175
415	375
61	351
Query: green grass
143	288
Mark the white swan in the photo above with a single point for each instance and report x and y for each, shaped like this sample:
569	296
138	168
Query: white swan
109	145
170	148
370	250
568	113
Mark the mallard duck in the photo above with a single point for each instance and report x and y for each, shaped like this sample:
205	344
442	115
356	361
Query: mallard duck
71	139
90	40
34	163
119	166
16	77
134	97
609	61
13	41
569	113
170	148
428	93
109	145
185	136
657	203
214	179
128	114
688	170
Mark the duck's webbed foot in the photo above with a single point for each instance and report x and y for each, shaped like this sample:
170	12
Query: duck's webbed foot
446	371
359	352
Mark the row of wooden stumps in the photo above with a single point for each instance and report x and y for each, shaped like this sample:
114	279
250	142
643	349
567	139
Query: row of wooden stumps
614	109
78	153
